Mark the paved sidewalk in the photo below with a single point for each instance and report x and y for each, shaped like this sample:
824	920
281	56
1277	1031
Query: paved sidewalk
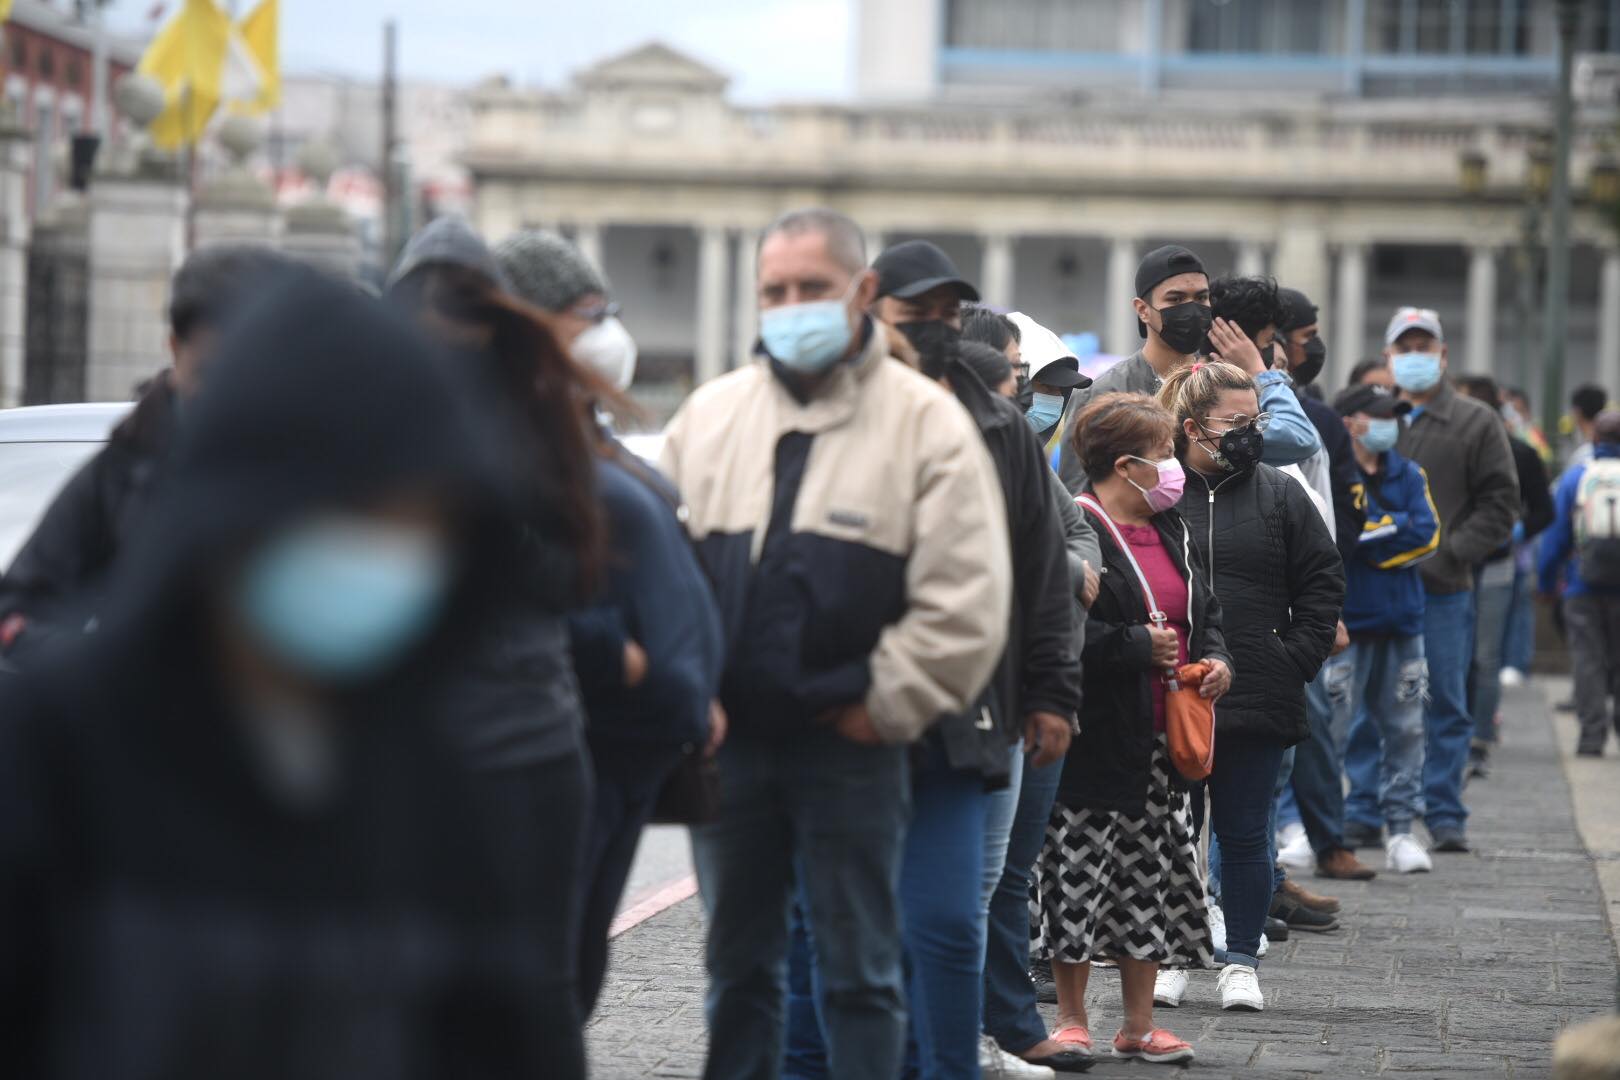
1469	971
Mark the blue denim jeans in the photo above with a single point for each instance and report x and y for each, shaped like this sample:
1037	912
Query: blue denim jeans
839	811
1317	783
940	887
1384	751
1493	603
1010	1013
1448	644
1001	810
1278	875
1242	794
1519	648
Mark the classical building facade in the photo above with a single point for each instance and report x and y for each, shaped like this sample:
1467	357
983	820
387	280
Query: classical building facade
1366	200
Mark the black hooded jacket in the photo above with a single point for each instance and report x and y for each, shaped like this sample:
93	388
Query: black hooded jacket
1280	579
1109	763
165	911
56	578
1040	669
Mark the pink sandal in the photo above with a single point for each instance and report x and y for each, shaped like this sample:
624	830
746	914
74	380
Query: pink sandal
1157	1046
1074	1036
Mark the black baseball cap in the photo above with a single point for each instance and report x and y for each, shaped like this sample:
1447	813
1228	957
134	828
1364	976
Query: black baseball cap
1063	373
911	268
1298	310
1161	264
1376	401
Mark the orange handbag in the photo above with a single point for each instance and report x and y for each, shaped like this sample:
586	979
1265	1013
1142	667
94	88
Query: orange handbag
1189	719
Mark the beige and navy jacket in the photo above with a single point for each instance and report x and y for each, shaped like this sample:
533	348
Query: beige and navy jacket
857	543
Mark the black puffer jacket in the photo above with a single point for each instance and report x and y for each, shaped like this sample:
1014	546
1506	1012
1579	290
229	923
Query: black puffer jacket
55	582
1107	767
1281	584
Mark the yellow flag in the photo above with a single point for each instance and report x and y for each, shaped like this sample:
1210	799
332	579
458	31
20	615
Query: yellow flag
5	10
261	33
188	57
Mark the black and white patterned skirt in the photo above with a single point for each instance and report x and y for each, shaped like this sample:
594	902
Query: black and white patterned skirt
1110	884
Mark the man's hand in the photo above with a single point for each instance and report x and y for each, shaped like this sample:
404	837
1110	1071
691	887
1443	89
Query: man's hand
1090	587
1341	639
1046	738
1218	681
635	665
718	727
854	723
1165	651
1234	347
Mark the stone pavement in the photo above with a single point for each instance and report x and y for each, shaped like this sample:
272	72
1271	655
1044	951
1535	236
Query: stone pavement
1469	971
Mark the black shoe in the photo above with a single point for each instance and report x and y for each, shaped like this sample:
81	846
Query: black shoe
1300	917
1479	762
1357	835
1566	706
1040	973
1276	929
1454	841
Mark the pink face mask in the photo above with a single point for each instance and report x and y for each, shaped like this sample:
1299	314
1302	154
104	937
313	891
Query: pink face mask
1167	492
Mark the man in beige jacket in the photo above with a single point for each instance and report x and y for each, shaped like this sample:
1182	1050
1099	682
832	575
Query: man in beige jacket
852	524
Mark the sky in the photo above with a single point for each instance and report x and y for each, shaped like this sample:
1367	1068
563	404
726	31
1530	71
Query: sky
773	50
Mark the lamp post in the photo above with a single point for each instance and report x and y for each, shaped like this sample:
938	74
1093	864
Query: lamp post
1556	306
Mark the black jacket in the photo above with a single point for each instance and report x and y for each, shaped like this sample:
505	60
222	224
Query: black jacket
1281	584
1535	495
55	581
1040	669
1349	511
1108	764
148	862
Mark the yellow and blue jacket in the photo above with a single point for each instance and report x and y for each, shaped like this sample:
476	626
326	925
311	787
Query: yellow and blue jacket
1385	592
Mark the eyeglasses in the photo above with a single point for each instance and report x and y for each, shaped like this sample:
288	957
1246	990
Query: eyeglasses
595	313
1261	422
1021	370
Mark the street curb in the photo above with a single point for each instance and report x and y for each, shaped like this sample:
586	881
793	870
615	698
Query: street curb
1594	792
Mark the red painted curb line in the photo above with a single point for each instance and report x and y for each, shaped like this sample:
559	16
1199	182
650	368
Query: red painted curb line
660	899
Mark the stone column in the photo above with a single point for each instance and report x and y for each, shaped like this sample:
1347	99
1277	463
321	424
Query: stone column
710	358
1349	314
136	238
588	238
1300	260
14	240
237	207
1121	336
745	317
996	276
319	231
1608	358
1251	259
1481	310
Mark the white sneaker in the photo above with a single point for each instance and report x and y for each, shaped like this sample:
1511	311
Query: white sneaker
1404	854
1265	945
1240	988
1169	987
1511	677
1217	928
1298	854
996	1064
1289	833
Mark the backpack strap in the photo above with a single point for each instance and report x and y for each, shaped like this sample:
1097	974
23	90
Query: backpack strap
1155	614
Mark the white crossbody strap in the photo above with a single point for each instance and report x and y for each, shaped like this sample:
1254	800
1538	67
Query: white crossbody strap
1157	616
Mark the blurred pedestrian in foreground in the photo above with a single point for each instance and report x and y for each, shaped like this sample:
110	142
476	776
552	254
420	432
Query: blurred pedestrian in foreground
648	649
232	840
517	710
1582	550
851	521
55	580
1118	876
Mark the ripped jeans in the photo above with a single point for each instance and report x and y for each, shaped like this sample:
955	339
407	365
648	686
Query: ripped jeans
1384	744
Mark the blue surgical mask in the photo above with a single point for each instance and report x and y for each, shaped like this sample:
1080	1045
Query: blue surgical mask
1416	372
1044	411
339	599
808	338
1381	435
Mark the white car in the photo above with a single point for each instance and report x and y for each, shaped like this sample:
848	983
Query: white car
41	446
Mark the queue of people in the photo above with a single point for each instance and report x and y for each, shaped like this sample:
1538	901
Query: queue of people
343	681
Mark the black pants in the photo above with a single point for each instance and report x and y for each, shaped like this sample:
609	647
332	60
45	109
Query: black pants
628	779
540	816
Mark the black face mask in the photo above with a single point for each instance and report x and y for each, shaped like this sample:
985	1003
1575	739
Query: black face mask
1183	326
935	342
1237	450
1026	393
1311	366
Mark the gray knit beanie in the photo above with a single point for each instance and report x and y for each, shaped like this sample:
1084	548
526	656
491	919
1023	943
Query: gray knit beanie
546	270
